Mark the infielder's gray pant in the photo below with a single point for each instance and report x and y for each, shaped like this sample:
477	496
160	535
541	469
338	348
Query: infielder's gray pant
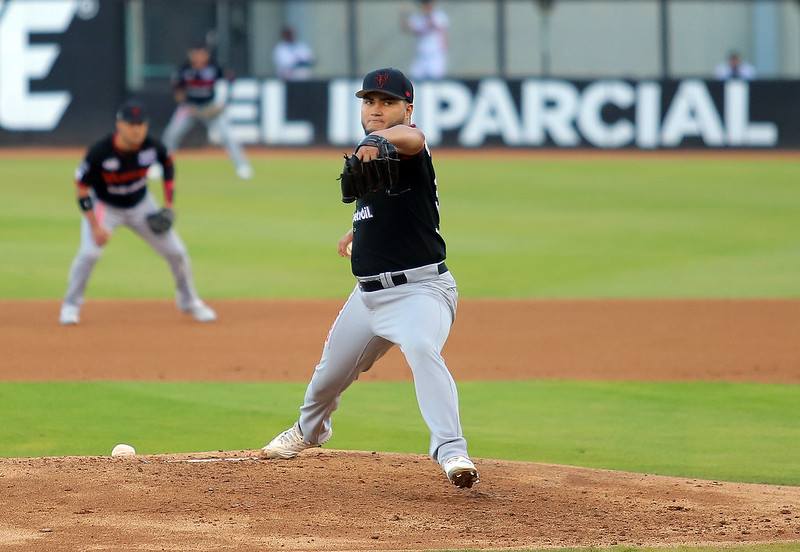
415	316
168	245
184	119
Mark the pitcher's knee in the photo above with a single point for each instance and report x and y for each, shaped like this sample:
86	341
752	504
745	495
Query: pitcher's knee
89	256
176	256
421	351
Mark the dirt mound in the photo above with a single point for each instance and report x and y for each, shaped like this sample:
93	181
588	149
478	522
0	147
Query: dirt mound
337	500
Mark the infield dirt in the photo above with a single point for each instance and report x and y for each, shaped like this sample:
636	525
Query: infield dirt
361	500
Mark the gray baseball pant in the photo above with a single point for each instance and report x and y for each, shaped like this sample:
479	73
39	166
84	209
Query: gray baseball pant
416	317
184	119
168	245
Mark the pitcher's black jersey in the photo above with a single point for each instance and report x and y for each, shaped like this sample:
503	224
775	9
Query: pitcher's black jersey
398	232
118	177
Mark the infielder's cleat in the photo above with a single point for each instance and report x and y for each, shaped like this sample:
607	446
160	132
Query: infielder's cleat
290	443
245	172
70	315
200	311
461	471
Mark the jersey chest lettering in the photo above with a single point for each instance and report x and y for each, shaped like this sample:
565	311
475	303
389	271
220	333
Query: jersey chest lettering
147	157
363	214
112	164
127	189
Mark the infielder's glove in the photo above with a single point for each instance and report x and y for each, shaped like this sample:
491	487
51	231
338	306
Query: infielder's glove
382	173
161	221
210	111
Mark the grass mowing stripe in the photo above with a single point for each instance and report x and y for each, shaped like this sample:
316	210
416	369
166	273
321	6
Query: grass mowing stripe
731	432
544	228
50	419
738	432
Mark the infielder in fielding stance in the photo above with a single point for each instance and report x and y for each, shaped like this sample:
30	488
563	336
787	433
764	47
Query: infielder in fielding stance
405	294
194	87
111	185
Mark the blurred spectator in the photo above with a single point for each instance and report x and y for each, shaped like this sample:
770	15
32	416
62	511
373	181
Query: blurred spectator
735	68
430	26
293	58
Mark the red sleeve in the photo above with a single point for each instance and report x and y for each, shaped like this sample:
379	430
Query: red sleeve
169	179
169	167
169	191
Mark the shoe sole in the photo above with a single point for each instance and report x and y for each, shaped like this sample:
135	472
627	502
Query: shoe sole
200	317
205	319
465	478
275	455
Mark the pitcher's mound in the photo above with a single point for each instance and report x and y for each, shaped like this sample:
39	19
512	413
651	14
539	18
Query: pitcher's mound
339	500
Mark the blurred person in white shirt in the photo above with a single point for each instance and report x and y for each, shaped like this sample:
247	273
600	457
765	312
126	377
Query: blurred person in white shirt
430	25
293	58
735	68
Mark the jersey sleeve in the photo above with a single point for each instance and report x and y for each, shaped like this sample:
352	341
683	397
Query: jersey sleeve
417	23
88	172
440	19
165	160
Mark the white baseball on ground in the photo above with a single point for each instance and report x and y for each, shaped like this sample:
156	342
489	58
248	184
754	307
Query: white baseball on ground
123	450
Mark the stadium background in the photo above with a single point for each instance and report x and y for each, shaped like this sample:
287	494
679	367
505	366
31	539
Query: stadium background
67	63
718	226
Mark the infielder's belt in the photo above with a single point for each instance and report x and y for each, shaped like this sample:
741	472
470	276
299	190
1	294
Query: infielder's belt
392	279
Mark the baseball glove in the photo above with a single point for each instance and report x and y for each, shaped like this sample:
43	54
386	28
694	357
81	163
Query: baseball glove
382	173
210	111
161	221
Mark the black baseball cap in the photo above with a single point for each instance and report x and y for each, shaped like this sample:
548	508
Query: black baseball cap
132	112
389	81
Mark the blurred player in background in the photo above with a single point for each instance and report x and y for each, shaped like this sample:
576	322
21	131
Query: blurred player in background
194	90
430	26
111	185
293	58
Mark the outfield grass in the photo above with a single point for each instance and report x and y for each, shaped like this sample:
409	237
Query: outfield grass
519	228
731	432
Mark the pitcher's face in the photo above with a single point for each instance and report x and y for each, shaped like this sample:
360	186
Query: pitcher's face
381	111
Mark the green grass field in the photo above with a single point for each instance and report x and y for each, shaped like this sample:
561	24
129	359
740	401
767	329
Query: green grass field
730	432
522	228
526	228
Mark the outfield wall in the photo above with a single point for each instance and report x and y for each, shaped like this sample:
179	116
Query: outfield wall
609	114
63	73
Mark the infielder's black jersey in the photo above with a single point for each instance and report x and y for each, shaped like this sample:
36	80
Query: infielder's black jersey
397	232
119	178
198	84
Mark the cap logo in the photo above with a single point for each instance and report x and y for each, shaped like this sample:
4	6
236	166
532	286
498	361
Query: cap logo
381	79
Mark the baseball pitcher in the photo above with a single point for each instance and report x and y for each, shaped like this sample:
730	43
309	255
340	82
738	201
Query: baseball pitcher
405	294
